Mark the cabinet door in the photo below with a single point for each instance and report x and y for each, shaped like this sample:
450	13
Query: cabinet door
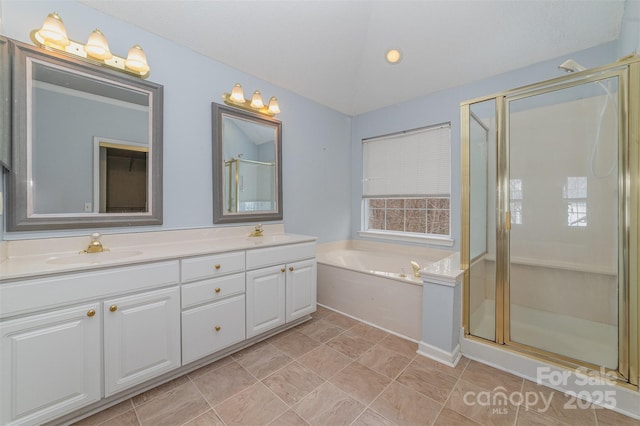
265	299
49	364
301	289
141	337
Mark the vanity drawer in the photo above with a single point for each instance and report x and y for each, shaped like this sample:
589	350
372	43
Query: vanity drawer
212	289
198	268
280	254
213	327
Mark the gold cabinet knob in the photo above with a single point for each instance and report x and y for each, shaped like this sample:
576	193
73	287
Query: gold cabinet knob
217	328
291	268
113	308
217	266
217	289
282	270
91	312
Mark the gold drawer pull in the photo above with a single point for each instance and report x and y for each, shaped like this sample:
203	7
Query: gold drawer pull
217	266
113	308
291	268
91	312
217	328
217	289
282	270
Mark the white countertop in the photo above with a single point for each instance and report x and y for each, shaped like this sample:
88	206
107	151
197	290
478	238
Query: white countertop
32	258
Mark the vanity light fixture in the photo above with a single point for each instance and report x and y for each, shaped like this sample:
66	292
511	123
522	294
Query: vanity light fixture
53	35
256	104
393	56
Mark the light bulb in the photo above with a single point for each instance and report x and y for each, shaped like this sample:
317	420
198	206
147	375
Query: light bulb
237	95
274	108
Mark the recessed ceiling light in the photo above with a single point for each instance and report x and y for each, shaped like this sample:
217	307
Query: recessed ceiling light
393	56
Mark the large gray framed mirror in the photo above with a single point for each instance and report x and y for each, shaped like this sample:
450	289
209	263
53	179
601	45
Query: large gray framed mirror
5	105
86	142
247	166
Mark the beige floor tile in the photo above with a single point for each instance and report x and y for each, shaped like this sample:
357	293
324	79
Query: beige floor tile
296	344
350	345
224	382
329	406
404	406
289	418
369	333
482	405
322	331
210	418
384	361
293	382
371	418
402	346
449	417
611	418
324	361
106	414
435	365
211	367
174	407
429	382
128	418
490	378
152	393
532	418
262	360
255	405
564	408
360	382
321	312
340	320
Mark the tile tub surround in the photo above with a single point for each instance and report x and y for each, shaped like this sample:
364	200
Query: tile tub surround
285	380
29	258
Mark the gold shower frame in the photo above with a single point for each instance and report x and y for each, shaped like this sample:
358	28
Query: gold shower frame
628	73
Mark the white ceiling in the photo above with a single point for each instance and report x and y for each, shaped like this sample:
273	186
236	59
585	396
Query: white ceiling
333	51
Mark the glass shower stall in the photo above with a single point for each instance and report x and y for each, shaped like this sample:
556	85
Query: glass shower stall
550	214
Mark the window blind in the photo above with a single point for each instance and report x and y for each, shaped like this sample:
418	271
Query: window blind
415	163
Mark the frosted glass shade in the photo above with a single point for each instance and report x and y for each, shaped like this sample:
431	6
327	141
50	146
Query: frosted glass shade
256	100
237	95
274	108
137	60
97	46
53	31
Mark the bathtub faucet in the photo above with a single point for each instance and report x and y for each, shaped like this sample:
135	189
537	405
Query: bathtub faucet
416	268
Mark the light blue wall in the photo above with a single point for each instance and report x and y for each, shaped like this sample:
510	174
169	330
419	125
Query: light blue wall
316	152
629	41
444	106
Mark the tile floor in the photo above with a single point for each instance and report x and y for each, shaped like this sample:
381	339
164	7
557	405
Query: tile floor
333	371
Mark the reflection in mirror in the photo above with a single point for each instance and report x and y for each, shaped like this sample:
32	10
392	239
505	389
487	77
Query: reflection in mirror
247	176
88	144
5	105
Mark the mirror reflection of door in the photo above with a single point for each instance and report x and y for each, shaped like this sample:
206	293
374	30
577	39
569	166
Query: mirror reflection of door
121	177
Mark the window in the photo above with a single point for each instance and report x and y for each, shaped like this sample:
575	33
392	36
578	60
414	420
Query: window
575	192
406	183
515	201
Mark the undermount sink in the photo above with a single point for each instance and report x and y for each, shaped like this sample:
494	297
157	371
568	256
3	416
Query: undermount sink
88	258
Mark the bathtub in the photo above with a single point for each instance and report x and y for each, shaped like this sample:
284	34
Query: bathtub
375	283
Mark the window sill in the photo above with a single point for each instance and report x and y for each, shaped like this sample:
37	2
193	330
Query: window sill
437	241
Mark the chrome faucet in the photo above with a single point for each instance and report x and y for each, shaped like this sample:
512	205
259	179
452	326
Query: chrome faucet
95	246
257	231
416	268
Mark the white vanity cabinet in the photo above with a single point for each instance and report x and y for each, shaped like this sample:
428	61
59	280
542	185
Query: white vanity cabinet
213	303
281	286
52	353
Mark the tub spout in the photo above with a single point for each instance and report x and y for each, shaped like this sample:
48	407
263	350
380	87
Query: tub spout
416	268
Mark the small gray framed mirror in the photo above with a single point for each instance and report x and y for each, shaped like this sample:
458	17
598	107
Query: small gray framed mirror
86	145
247	169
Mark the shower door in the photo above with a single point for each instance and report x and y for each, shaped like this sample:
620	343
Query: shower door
549	197
564	205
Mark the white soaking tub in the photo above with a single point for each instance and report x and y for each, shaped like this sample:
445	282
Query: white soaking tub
375	283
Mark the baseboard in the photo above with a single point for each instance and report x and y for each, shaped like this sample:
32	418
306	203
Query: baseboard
447	358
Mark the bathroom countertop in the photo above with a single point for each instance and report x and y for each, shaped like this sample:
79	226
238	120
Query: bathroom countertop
34	258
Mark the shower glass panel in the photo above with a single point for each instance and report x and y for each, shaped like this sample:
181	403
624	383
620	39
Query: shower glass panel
564	212
482	220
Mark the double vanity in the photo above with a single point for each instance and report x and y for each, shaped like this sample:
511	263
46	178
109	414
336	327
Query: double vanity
81	331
